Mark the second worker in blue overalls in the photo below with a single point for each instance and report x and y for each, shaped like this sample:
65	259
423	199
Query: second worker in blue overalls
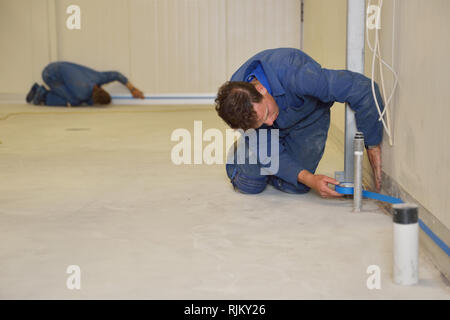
71	84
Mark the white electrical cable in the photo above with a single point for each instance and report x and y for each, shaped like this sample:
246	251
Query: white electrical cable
376	51
386	109
387	65
374	56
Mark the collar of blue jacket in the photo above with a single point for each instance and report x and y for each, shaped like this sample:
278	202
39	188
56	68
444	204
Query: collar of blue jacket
258	73
270	76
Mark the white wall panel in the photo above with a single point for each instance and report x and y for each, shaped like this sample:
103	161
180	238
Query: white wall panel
24	44
163	46
178	46
103	40
255	25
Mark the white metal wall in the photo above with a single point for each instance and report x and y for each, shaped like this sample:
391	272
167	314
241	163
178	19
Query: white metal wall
254	25
163	46
23	43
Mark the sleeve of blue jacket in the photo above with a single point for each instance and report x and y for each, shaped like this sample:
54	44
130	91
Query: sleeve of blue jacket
343	86
110	76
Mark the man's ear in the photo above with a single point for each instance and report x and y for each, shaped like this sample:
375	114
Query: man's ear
261	89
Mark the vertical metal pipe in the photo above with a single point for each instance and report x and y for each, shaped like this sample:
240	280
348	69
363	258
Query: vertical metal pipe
358	146
356	14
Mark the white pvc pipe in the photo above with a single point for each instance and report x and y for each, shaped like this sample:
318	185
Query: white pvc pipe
406	244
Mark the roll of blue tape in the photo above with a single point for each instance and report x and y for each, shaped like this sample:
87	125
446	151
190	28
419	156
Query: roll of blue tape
343	190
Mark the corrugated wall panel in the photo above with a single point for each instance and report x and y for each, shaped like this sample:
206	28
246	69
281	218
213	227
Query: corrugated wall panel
255	25
23	37
177	45
102	42
163	46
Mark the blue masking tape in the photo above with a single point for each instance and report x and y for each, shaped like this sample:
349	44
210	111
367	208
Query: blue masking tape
435	238
130	97
384	198
368	194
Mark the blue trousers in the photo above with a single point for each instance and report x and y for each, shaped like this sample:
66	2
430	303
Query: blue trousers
59	94
305	144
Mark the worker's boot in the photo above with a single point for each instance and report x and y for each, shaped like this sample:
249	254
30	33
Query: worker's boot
32	92
40	95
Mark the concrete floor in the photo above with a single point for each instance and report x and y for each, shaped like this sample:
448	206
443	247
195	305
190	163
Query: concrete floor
95	187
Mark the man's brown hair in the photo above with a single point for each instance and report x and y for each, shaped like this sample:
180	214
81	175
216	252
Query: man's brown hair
100	96
234	104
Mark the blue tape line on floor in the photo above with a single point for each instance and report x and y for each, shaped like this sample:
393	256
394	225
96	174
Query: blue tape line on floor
368	194
166	97
385	198
435	238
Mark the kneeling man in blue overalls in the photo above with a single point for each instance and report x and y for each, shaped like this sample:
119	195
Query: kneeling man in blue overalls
286	89
71	84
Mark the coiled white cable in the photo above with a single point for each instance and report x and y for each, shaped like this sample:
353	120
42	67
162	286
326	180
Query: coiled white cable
376	51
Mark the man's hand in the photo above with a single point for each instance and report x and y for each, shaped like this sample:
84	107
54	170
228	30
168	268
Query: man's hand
319	183
374	155
135	92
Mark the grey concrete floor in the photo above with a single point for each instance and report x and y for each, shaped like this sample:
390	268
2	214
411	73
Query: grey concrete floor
95	187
